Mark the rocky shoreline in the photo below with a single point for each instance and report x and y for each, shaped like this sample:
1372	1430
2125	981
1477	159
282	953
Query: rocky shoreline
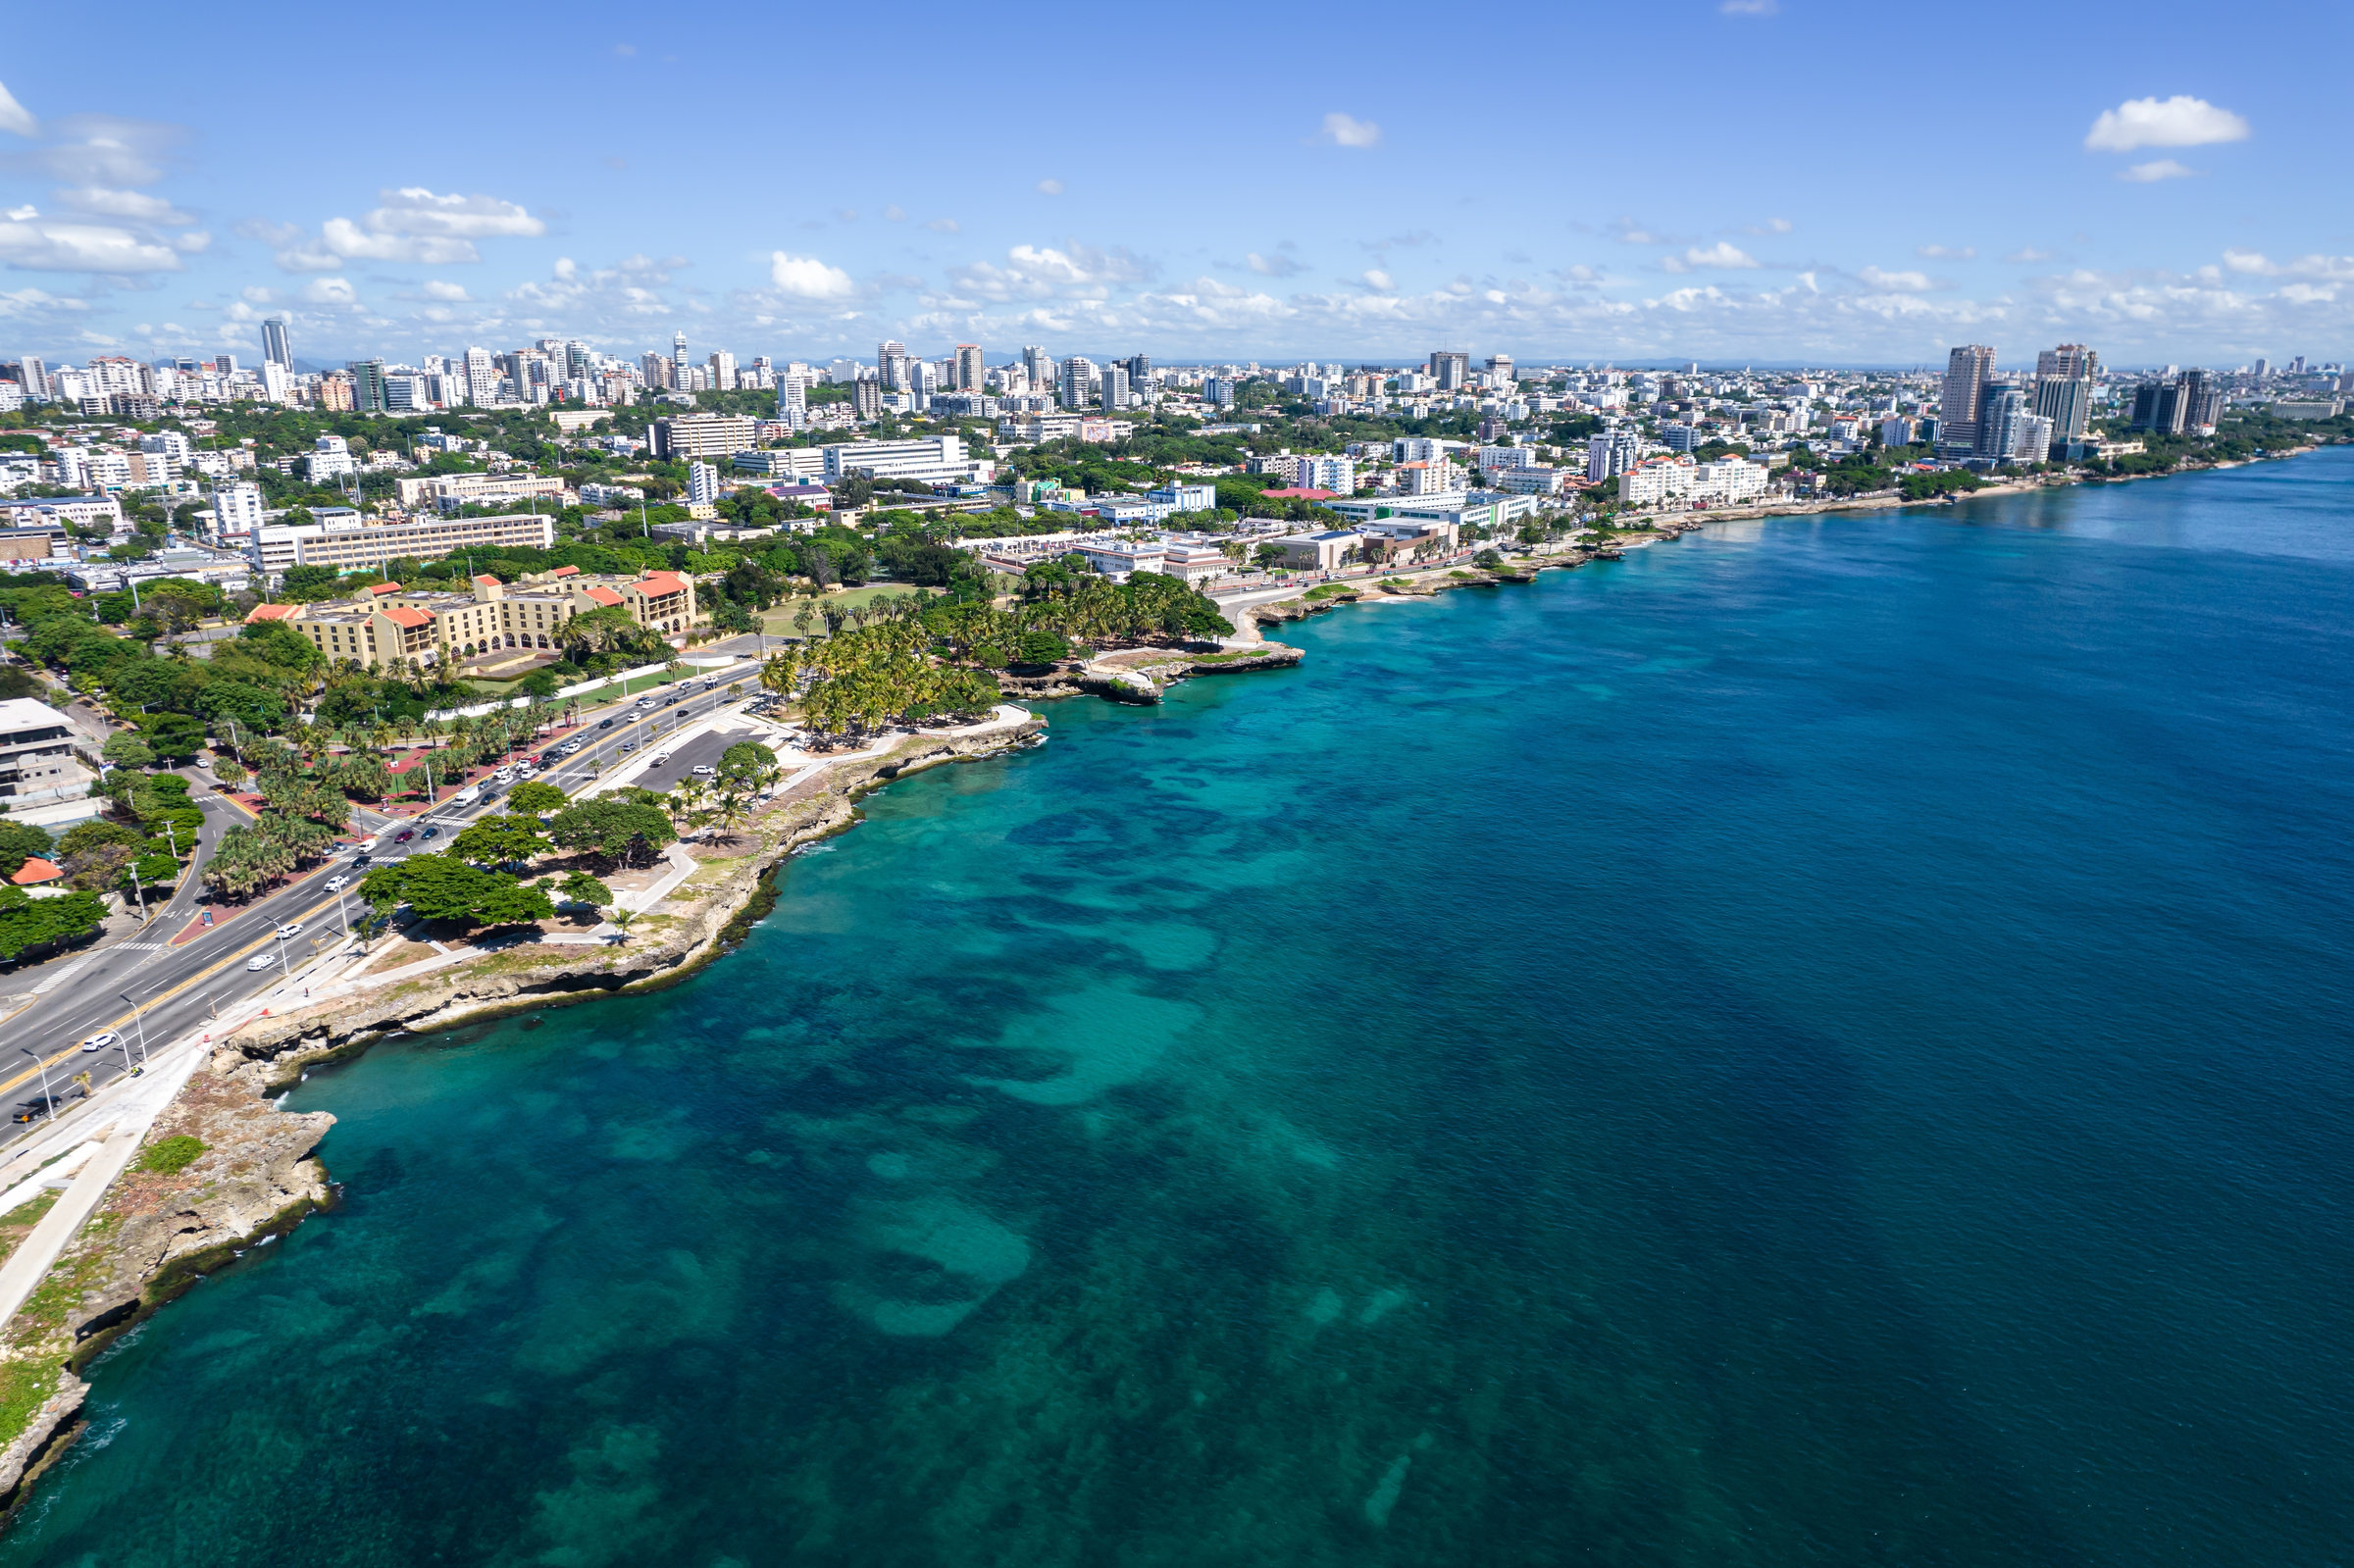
223	1170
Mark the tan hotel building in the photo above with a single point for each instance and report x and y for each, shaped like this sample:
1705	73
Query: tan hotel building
389	625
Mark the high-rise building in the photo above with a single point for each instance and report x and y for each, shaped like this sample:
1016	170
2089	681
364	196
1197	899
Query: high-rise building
1039	366
1218	392
1499	366
2158	408
1115	386
1140	371
2067	401
481	376
2034	439
1966	373
2069	361
2263	369
1078	382
1612	452
1449	369
722	371
236	508
866	398
35	378
658	371
703	483
368	392
277	347
678	358
892	365
2002	407
971	374
2202	400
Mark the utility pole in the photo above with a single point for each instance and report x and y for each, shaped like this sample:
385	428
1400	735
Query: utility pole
46	1096
140	1019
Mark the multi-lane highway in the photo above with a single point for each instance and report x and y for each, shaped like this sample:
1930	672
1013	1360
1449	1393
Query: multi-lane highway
147	986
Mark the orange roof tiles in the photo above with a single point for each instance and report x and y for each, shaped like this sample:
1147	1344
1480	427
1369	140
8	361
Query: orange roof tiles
402	615
565	572
484	577
603	595
654	585
382	588
36	871
271	612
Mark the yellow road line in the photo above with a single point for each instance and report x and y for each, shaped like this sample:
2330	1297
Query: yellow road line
9	1086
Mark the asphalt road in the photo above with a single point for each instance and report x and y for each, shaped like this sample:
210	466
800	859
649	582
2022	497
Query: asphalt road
144	983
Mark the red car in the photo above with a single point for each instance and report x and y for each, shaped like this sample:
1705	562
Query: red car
404	836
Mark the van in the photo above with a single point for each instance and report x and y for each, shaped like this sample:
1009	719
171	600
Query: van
467	796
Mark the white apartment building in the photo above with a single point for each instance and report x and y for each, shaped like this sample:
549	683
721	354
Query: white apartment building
1320	473
351	545
703	483
934	459
784	462
236	509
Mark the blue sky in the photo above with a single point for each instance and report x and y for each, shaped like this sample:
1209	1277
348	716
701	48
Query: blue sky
1769	180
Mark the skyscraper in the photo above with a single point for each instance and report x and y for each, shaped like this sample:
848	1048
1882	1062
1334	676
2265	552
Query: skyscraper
890	365
971	375
1140	371
37	378
2202	400
2000	411
2064	378
277	347
1449	369
1041	368
367	393
1115	386
1078	382
1501	365
1966	372
722	371
677	357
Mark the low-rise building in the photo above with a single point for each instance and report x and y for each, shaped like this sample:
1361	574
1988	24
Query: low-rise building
353	547
389	625
36	753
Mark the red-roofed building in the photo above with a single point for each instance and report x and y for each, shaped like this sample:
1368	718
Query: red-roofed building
261	612
378	590
36	871
565	572
485	581
662	602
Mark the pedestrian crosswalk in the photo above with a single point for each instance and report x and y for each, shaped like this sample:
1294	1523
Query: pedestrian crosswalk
140	947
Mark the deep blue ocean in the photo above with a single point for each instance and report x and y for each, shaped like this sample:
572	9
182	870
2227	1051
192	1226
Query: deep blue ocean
1824	1043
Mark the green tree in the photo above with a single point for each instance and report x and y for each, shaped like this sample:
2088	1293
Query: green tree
446	887
579	888
532	797
125	749
27	922
19	841
309	585
617	831
497	840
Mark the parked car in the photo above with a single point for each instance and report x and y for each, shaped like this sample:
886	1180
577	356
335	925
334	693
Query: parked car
659	758
260	961
100	1042
290	930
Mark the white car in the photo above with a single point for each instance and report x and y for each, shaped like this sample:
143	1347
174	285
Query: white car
99	1042
705	769
504	776
632	718
336	884
659	758
292	929
260	961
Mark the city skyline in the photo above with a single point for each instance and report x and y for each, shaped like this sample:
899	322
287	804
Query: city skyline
1731	213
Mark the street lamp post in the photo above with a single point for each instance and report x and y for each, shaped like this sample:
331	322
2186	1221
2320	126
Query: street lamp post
47	1098
140	1018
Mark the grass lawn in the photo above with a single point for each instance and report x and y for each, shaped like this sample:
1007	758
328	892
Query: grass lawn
779	620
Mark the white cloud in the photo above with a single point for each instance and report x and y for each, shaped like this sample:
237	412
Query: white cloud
15	117
1376	278
2028	255
412	210
1771	225
103	150
895	214
1724	255
40	245
17	214
2160	169
2254	264
1043	272
29	302
134	205
330	291
1946	252
345	240
1275	266
1906	283
259	296
454	293
944	225
1050	187
1629	232
1749	7
1344	130
192	243
807	277
2177	121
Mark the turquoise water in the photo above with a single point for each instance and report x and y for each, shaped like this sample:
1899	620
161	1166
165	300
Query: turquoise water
1823	1044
